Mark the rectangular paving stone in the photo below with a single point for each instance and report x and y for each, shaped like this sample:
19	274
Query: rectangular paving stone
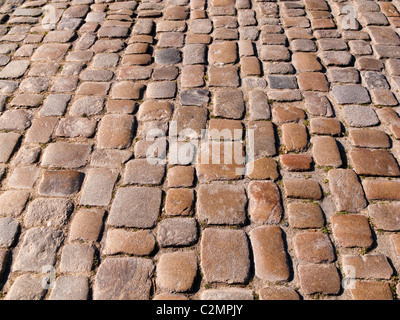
346	189
228	103
179	202
58	36
76	257
351	231
28	100
161	90
225	256
278	293
55	105
370	266
142	212
50	52
140	243
48	212
194	53
177	271
343	75
220	161
326	152
371	290
38	249
15	69
306	62
294	136
8	86
318	105
383	35
66	155
313	81
270	256
87	105
319	279
192	76
26	287
98	187
264	138
369	138
123	279
385	216
86	224
302	189
180	176
109	158
282	82
221	204
23	177
140	171
227	294
313	247
282	113
264	202
225	76
305	215
259	107
115	131
396	243
151	110
41	130
9	228
274	53
381	189
360	116
177	232
70	288
12	202
72	127
351	94
296	162
8	142
222	53
263	168
60	183
374	162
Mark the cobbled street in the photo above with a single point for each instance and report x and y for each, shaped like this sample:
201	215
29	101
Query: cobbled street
111	115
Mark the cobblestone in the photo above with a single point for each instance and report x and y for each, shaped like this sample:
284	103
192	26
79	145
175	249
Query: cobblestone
319	278
123	279
8	232
86	103
341	182
305	215
38	249
177	271
270	261
225	256
48	212
371	290
352	231
220	204
70	288
314	248
369	266
140	243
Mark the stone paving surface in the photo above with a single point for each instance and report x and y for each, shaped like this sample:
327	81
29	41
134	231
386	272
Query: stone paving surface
84	215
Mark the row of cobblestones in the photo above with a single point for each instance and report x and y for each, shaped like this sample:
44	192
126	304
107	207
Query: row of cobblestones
85	215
